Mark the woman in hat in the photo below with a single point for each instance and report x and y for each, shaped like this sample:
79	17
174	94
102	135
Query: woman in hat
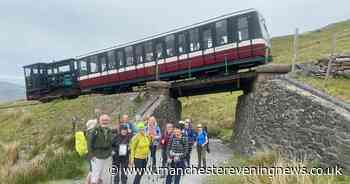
139	151
201	141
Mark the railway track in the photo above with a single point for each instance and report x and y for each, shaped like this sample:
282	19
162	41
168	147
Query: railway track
18	105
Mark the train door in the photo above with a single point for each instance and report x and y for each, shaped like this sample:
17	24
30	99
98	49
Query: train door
195	54
207	35
160	56
140	59
244	42
182	50
36	80
171	57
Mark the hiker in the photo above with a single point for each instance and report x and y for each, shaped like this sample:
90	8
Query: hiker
191	136
201	141
121	152
176	153
90	125
139	151
153	131
166	136
99	147
205	128
181	125
125	121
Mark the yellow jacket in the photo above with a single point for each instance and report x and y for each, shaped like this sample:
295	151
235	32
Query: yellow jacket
139	146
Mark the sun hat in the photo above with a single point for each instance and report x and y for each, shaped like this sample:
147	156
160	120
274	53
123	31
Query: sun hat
91	124
140	125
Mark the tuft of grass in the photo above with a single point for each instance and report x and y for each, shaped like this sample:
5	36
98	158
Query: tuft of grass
338	86
60	166
39	131
11	153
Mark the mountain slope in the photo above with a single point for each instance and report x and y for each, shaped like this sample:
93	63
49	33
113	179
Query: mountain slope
10	91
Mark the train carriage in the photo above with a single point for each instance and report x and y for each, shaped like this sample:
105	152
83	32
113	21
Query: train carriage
46	81
229	42
220	45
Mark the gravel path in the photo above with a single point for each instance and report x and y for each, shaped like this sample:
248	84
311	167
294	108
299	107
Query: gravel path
219	152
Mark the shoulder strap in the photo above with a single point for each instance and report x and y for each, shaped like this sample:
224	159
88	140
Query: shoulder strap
93	137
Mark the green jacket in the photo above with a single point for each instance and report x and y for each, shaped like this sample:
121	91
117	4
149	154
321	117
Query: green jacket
99	142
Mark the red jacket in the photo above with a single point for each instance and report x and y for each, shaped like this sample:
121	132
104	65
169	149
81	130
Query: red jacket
165	139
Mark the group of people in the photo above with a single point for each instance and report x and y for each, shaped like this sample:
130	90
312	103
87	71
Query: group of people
133	144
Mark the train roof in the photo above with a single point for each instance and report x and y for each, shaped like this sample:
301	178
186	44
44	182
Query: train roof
34	64
48	63
168	32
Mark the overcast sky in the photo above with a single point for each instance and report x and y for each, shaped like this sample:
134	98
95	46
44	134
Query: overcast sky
45	30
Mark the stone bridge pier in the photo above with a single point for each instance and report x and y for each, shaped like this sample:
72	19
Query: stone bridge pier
279	113
159	103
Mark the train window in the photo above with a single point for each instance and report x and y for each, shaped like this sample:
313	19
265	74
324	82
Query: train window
139	53
129	56
49	71
221	32
35	71
194	40
207	38
83	67
103	61
159	50
55	70
120	58
75	65
243	33
170	45
265	33
111	59
93	64
64	68
149	51
181	43
27	72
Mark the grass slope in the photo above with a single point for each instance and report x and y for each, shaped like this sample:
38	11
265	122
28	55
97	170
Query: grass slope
36	142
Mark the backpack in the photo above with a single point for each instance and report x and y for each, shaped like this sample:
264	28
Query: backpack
81	143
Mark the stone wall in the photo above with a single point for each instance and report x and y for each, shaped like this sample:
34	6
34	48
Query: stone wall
278	115
157	102
168	111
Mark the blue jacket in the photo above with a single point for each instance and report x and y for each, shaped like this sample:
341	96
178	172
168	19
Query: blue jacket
201	137
190	134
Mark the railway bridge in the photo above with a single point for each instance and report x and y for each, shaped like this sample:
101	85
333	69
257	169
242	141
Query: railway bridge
275	112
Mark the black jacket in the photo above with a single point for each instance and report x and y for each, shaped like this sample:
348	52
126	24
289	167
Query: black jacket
116	141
